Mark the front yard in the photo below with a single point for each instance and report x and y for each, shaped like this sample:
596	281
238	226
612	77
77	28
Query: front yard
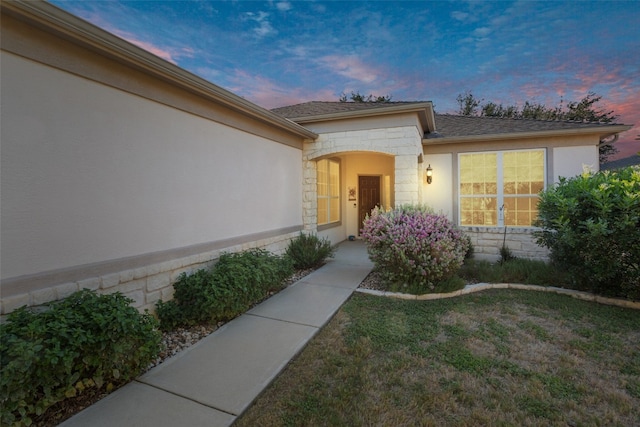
501	357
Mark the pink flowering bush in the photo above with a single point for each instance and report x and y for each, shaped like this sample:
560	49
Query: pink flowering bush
413	248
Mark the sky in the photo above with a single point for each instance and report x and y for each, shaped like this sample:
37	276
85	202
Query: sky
277	53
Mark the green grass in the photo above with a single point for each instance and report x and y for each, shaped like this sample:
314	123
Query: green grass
500	357
516	270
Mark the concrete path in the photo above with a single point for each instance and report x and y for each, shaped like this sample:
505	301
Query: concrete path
213	382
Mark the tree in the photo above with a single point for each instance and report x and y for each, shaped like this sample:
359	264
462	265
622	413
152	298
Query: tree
584	110
358	97
468	104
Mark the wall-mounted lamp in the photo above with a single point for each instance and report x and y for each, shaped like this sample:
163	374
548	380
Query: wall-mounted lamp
429	174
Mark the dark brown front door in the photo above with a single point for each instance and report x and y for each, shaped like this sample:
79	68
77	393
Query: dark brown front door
368	196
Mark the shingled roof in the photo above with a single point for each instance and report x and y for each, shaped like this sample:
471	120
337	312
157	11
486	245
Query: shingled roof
319	108
450	126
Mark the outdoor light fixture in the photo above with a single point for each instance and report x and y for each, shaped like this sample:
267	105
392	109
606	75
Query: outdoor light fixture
429	174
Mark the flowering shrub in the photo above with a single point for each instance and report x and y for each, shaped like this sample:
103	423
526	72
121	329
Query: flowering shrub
414	248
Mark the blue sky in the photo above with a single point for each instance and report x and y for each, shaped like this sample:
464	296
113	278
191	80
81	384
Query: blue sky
277	53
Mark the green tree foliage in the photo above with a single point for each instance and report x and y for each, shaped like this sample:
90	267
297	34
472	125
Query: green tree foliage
358	97
591	224
468	104
584	110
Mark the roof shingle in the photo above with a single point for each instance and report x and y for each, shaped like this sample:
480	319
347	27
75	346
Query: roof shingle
447	125
318	108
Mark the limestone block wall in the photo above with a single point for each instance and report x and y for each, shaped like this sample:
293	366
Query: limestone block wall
144	285
487	242
403	142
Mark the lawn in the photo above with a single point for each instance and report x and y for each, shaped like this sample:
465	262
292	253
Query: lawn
499	358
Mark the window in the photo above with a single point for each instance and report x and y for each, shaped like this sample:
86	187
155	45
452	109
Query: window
500	188
328	191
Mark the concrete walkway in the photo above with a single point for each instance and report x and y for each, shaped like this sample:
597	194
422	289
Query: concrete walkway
213	382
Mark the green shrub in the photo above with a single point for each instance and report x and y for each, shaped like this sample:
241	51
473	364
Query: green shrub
79	345
591	224
242	279
192	300
237	281
413	247
309	251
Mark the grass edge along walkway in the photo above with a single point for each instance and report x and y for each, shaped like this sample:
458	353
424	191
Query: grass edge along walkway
490	358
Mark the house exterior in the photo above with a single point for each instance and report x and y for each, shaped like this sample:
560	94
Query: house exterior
120	171
486	172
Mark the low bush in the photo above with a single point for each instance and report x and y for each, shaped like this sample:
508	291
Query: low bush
237	281
309	251
84	343
591	224
515	270
413	247
192	300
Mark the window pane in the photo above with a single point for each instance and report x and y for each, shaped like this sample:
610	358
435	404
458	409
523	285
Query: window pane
478	173
537	187
524	187
334	178
510	187
334	210
323	179
478	211
328	187
521	211
323	213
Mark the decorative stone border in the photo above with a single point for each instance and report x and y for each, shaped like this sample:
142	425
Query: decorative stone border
469	289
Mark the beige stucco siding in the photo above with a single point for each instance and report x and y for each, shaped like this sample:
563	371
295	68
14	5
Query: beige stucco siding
91	173
439	194
571	161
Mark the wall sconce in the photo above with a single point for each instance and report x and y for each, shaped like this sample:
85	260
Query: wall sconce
429	174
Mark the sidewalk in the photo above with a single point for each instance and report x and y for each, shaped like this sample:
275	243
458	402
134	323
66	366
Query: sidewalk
213	382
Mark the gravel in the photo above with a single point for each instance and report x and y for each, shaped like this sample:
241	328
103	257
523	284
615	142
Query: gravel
373	281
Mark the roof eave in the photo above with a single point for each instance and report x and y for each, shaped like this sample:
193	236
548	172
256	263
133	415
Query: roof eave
423	109
55	20
602	132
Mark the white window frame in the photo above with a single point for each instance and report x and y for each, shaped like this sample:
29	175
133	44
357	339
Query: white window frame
500	184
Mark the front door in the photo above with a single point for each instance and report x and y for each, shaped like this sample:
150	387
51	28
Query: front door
368	196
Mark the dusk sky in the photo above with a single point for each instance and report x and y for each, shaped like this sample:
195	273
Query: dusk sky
277	53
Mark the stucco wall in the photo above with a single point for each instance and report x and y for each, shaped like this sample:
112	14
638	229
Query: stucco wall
571	161
91	174
439	194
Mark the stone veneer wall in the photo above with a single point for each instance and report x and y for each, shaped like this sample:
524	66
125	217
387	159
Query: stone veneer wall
487	242
145	285
403	142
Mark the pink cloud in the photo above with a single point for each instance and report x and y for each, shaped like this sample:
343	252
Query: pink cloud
159	52
349	66
165	54
269	94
